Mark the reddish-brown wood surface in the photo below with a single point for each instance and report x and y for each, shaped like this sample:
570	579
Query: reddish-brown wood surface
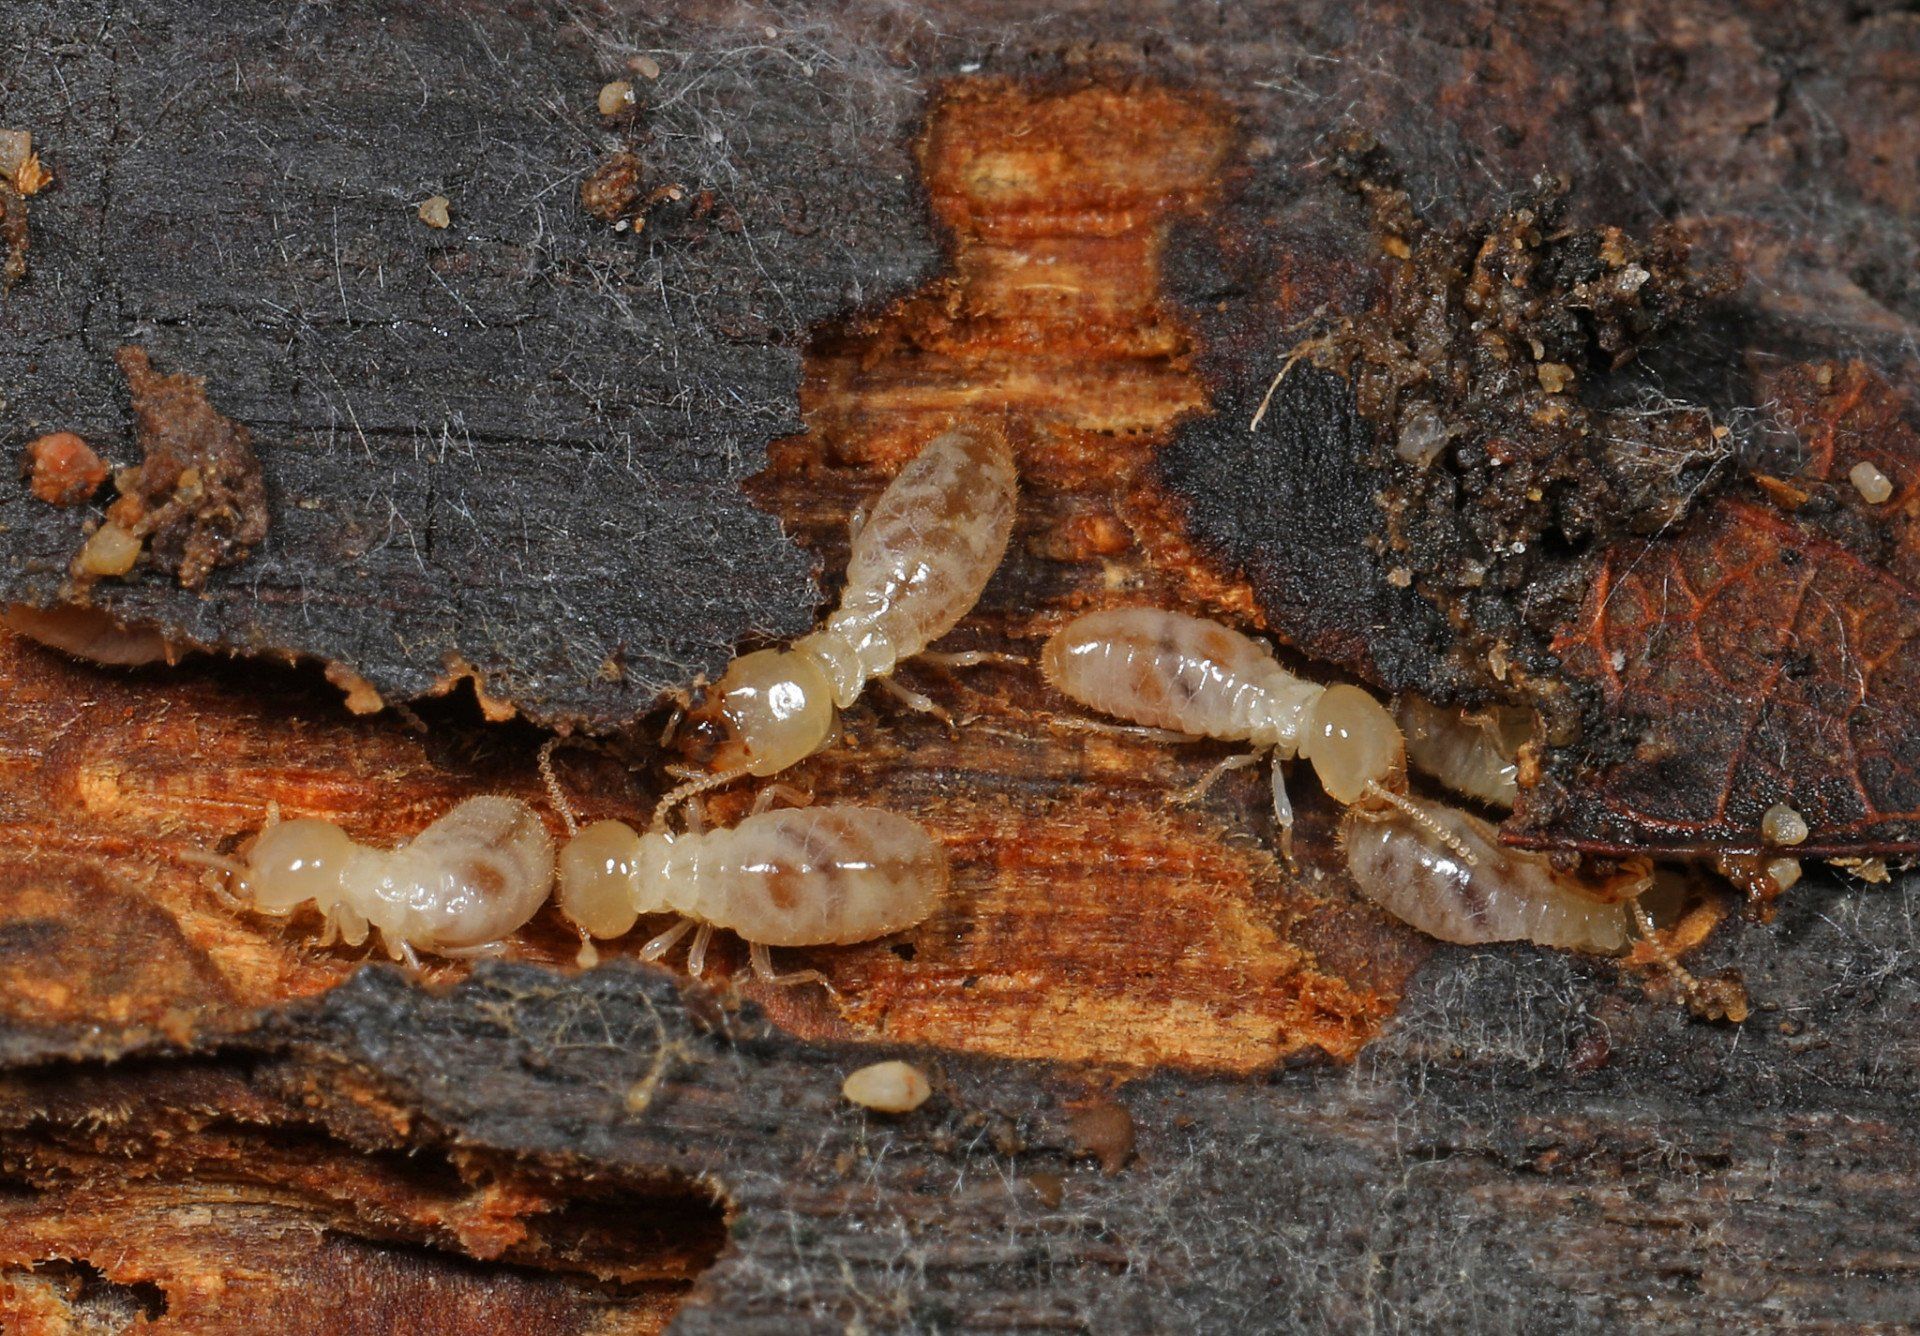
210	1123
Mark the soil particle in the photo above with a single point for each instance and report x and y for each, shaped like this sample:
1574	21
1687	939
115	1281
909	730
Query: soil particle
62	469
194	503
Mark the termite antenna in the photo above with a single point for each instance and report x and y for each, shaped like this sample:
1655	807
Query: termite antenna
1663	953
233	867
555	794
692	788
1455	845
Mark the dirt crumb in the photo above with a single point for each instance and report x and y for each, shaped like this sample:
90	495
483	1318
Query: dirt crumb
612	189
62	469
194	503
1104	1132
434	211
21	175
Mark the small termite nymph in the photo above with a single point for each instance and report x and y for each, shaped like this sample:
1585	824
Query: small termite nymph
1507	895
810	876
1171	671
1474	754
919	562
887	1087
457	888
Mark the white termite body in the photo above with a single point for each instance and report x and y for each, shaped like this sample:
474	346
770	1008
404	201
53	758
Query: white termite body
1174	671
1474	754
919	561
809	876
1507	895
457	888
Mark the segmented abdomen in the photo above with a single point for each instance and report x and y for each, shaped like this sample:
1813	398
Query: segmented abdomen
928	547
1166	670
470	878
810	876
1509	895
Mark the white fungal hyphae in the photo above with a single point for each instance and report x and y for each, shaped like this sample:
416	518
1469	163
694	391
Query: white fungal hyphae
809	876
918	564
456	888
1474	754
1506	895
1169	670
887	1087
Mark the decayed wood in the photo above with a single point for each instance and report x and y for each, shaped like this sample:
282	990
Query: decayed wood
506	450
1532	1141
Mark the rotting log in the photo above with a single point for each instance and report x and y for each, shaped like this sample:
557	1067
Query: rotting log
530	446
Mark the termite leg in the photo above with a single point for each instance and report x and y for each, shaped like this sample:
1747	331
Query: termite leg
970	658
697	953
331	933
913	700
762	957
777	792
404	952
1195	792
666	941
554	793
588	955
484	951
1282	809
1139	732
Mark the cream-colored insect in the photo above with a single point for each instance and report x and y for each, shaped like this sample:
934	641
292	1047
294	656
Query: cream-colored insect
1476	754
919	561
1505	895
810	876
1168	670
457	888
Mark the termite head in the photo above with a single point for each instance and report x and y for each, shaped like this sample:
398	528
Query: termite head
291	862
772	708
599	878
1356	749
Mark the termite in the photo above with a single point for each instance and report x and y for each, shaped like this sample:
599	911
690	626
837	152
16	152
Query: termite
811	876
1172	671
919	562
1504	895
1437	868
457	888
1475	754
